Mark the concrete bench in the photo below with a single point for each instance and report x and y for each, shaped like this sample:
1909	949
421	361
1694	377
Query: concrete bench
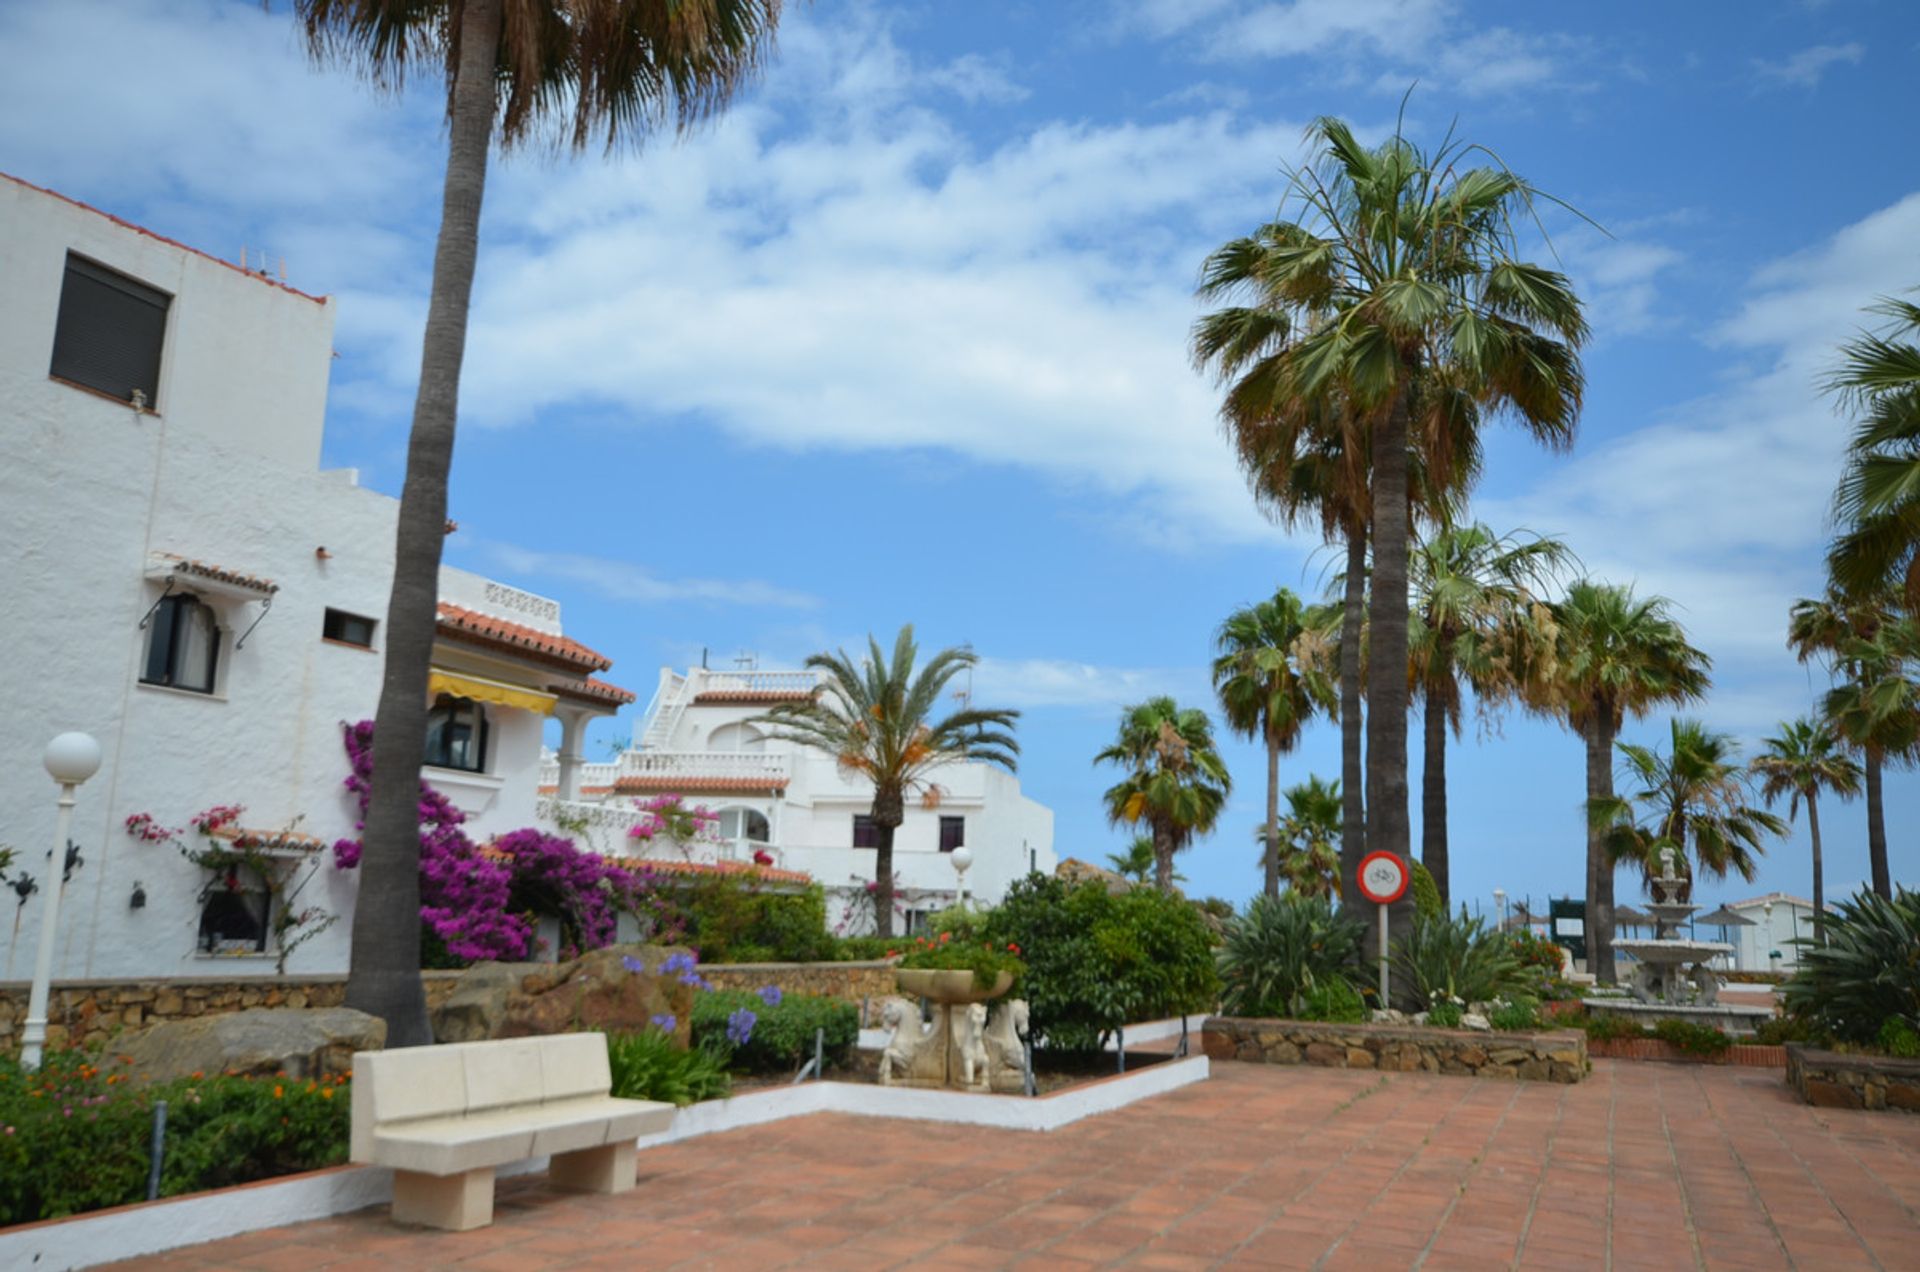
444	1117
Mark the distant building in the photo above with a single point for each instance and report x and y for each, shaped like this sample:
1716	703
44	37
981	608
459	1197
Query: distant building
183	583
1769	945
793	806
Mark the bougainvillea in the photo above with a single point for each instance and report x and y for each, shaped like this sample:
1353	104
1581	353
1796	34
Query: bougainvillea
482	902
670	819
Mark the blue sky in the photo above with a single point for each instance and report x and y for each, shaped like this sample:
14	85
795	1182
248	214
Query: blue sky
902	338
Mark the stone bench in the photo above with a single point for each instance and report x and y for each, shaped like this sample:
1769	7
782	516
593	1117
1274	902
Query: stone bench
444	1117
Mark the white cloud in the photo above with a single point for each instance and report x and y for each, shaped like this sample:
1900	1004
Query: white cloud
974	78
628	581
1805	68
1053	682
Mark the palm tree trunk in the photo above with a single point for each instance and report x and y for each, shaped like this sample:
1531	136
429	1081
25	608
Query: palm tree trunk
1353	805
1433	795
384	974
1877	828
1387	826
1163	856
889	810
1273	817
1599	739
1819	872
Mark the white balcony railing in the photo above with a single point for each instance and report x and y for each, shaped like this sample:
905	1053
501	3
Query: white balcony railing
756	682
687	765
596	774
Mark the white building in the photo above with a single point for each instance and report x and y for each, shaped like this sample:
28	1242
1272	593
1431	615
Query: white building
183	583
794	805
1768	945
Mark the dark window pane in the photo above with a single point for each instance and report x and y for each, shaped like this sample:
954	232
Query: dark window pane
183	644
953	833
865	835
457	735
109	332
350	629
233	918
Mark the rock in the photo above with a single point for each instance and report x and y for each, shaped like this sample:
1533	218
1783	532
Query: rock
1388	1016
1359	1058
595	991
312	1043
1325	1053
1474	1020
1418	1018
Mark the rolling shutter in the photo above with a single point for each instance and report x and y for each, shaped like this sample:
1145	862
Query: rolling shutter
109	332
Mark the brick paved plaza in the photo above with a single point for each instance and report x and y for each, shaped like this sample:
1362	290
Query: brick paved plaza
1645	1165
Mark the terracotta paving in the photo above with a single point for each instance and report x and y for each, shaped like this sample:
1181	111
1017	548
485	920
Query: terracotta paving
1645	1165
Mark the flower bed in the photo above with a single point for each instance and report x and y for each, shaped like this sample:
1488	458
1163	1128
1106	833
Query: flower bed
1558	1055
1753	1055
1850	1080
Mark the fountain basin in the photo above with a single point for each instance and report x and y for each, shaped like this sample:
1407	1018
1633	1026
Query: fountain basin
1729	1018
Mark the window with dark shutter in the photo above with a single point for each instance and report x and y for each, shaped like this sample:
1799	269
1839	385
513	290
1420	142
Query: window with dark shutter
348	629
865	833
109	331
953	833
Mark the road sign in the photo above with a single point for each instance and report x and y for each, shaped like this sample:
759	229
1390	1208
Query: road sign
1383	877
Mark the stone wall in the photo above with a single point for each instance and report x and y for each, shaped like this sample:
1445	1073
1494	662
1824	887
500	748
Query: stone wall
1558	1055
90	1012
1836	1081
867	982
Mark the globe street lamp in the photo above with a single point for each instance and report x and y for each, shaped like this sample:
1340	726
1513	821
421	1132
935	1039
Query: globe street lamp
962	858
71	759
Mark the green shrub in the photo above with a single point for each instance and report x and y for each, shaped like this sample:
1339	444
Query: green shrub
1898	1038
1461	959
1604	1027
1535	952
987	960
1281	949
862	949
737	918
1097	962
1445	1015
1866	973
783	1029
650	1065
1335	1000
74	1138
1778	1030
1695	1040
1426	893
1520	1016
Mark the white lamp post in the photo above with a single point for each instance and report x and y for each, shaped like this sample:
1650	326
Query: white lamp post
962	858
1500	899
71	758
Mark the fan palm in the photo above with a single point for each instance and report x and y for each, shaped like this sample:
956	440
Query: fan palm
1397	295
1270	684
1878	502
1800	763
1176	782
1473	592
1616	655
1696	795
588	70
876	719
1137	862
1309	862
1850	632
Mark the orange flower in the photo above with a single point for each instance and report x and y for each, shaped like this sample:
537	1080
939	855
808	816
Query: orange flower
1012	948
277	1092
198	1074
326	1093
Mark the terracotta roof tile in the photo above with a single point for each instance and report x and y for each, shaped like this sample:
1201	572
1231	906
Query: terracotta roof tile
464	624
593	691
283	840
697	869
667	784
218	573
751	697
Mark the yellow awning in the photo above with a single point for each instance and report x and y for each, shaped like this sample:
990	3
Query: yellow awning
482	690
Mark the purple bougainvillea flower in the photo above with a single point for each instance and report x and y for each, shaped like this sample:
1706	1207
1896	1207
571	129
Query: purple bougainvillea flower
770	995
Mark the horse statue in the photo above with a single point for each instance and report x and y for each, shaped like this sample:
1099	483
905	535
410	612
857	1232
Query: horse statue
911	1048
970	1038
1005	1054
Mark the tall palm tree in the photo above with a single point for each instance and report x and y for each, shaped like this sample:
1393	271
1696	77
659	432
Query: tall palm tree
1804	760
1852	633
1138	861
1878	502
586	70
1473	592
1176	783
1696	795
1401	297
1309	862
1270	685
876	719
1617	655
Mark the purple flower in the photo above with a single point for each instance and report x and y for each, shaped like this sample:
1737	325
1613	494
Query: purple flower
637	966
666	1023
677	963
770	995
740	1027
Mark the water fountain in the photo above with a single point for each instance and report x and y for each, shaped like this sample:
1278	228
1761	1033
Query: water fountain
1672	977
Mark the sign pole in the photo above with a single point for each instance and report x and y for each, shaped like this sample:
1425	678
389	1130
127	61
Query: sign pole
1383	878
1383	957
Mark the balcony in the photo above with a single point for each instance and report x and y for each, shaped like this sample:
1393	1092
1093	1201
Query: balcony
698	772
754	686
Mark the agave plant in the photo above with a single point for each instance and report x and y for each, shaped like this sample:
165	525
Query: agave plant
1458	960
1867	974
1283	949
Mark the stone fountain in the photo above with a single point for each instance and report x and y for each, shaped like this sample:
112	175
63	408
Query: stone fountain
1672	975
960	1050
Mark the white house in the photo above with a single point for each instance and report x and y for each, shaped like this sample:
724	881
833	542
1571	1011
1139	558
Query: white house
1768	945
185	584
795	806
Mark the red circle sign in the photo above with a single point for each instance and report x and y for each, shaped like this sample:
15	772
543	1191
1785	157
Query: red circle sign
1383	877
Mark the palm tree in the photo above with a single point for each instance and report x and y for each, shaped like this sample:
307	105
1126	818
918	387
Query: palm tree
1176	782
1309	862
1270	685
1617	655
1804	760
875	718
587	70
1137	862
1878	502
1853	634
1473	591
1698	791
1397	295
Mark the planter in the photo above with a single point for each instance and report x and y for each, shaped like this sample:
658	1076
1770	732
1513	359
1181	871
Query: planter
1748	1054
1847	1080
1558	1055
948	987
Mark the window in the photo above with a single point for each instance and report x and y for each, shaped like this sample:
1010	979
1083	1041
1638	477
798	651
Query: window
865	833
108	333
953	833
348	629
744	823
457	735
183	643
233	918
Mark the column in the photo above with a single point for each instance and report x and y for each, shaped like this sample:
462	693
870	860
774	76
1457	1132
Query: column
573	736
